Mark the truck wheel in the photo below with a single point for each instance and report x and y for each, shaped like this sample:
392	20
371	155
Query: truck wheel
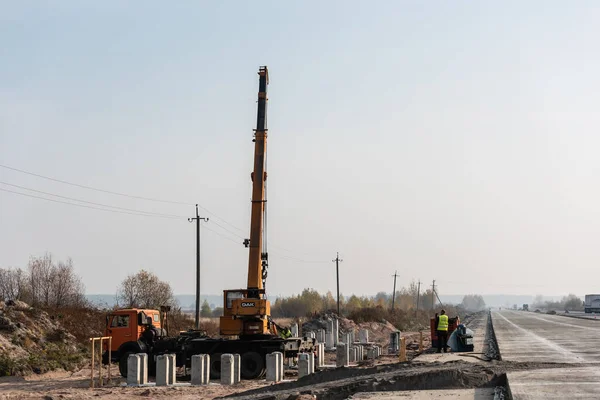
123	363
215	366
252	366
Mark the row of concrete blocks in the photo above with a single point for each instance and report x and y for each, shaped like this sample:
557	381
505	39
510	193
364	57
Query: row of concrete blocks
346	354
137	369
166	369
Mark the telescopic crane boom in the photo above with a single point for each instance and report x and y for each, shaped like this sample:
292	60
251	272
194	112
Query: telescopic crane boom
258	259
246	311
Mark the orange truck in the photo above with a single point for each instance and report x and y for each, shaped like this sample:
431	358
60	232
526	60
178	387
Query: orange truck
126	327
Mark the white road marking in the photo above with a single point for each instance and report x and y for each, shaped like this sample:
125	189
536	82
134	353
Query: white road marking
564	352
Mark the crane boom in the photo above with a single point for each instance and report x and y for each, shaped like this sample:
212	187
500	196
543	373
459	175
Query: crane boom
257	261
247	312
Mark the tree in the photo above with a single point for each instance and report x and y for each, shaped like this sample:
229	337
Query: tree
145	290
205	311
44	284
14	284
572	303
473	302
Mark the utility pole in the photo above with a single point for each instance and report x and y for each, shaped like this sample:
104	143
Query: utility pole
394	293
418	295
337	272
433	295
197	219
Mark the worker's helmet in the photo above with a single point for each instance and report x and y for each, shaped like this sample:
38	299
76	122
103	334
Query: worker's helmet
443	311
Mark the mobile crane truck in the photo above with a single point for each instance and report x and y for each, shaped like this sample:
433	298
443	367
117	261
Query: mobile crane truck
246	327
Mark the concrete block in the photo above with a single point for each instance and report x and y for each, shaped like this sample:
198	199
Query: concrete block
311	335
227	373
321	354
273	367
321	336
281	369
336	331
207	369
162	369
351	358
294	329
342	355
311	363
329	343
237	368
172	371
200	365
303	365
143	368
363	336
133	369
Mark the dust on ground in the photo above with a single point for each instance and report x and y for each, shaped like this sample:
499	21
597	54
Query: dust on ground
383	374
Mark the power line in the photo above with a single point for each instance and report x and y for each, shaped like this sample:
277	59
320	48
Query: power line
84	206
121	194
286	257
91	202
228	230
137	212
95	189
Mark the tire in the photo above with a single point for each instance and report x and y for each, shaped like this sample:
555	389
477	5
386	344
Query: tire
215	366
253	365
123	363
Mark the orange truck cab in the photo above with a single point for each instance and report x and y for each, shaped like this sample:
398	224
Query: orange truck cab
126	326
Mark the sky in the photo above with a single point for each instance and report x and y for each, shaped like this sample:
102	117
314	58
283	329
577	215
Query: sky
453	141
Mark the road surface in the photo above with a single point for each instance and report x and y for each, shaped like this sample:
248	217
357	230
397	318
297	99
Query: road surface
531	337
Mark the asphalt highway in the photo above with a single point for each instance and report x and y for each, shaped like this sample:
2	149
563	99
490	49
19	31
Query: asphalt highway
529	337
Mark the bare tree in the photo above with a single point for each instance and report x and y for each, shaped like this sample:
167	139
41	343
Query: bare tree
145	290
13	284
44	284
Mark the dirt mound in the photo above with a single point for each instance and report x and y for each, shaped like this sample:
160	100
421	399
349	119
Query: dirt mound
379	332
31	341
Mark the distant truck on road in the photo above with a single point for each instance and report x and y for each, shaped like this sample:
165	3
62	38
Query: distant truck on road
525	307
592	303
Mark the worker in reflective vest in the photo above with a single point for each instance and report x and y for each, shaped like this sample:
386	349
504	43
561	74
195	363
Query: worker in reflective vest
442	331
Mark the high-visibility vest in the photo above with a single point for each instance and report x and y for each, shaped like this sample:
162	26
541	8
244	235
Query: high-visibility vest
443	323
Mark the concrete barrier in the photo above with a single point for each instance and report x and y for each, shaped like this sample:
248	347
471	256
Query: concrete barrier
342	355
162	370
143	368
275	367
227	372
200	366
133	369
303	365
363	336
172	369
237	368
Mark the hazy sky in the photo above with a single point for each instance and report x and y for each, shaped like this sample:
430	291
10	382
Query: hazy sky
447	140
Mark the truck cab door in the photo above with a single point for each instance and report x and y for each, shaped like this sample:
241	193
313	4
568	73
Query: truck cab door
120	327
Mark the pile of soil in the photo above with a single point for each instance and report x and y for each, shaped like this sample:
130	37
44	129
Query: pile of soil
379	332
32	341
